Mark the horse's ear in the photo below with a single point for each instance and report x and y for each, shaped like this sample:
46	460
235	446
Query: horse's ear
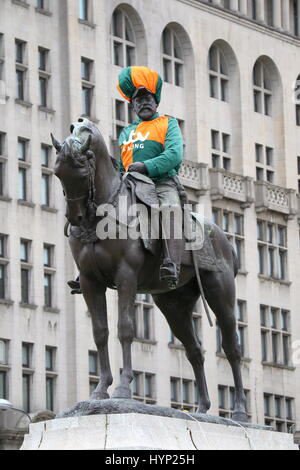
55	143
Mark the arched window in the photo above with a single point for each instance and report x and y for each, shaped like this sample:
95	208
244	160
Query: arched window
297	100
123	39
172	55
262	89
218	74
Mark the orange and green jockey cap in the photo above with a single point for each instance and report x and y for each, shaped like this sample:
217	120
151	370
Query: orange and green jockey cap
131	79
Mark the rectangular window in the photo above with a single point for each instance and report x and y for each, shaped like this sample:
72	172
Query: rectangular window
43	56
2	178
2	246
3	351
45	189
93	363
22	187
174	390
86	69
24	251
264	345
20	92
264	163
50	393
148	386
22	149
43	91
26	380
84	10
2	281
47	290
25	286
45	155
272	250
40	4
3	266
275	335
143	387
20	51
3	380
26	355
86	100
146	322
2	143
233	226
186	391
49	358
286	349
143	317
222	398
47	258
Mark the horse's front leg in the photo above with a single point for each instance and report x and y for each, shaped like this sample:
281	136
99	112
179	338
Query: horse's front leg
94	295
126	284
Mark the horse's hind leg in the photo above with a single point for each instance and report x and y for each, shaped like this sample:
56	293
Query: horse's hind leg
94	295
219	289
178	306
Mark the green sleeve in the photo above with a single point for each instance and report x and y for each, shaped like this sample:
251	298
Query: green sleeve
172	155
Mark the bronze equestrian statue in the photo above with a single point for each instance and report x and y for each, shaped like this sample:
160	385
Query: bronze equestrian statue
91	179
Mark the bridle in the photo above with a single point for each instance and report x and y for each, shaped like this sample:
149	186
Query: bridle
68	199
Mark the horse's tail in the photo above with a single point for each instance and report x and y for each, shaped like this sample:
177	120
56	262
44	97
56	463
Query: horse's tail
235	261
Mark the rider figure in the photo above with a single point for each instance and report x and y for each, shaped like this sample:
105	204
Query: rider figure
152	146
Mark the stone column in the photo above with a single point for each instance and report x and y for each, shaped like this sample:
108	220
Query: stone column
286	24
234	5
277	14
244	7
218	2
260	11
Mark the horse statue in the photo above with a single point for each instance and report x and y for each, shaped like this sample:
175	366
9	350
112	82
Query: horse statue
90	177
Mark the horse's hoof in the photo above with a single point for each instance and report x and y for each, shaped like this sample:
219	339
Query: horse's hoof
99	396
240	417
201	411
122	392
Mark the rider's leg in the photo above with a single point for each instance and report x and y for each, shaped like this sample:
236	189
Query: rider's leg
171	217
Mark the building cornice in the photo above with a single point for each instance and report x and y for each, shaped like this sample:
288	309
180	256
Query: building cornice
238	18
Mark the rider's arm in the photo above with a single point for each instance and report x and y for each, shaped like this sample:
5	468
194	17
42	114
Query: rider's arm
172	155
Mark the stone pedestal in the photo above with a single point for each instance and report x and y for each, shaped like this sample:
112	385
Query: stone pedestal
162	429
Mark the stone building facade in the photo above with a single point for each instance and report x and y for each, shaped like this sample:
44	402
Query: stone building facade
230	70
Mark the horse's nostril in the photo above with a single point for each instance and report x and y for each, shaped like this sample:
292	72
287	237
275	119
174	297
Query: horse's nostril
72	128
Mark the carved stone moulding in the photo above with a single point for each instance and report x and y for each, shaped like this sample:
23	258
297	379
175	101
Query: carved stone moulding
269	197
194	176
224	184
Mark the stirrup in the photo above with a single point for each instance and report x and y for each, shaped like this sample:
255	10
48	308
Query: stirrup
168	270
74	284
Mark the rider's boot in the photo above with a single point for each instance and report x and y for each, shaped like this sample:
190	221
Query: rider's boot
170	268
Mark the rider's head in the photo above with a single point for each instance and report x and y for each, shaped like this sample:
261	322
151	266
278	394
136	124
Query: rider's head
142	87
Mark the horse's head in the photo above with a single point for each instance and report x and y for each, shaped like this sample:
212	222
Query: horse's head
75	167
